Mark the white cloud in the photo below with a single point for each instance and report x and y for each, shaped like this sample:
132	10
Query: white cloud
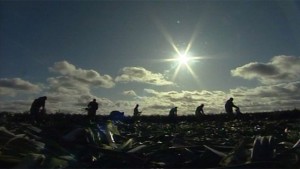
11	87
90	77
67	85
279	69
65	94
69	91
18	106
141	75
282	96
161	102
267	98
262	98
129	93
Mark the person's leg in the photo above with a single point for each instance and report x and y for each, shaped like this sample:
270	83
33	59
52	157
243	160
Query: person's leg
33	115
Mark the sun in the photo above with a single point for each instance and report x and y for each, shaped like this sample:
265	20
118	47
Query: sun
183	59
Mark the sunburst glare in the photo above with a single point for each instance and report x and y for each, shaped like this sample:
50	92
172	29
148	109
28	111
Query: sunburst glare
182	57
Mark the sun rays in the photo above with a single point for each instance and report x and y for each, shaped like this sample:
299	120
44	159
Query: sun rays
182	57
183	60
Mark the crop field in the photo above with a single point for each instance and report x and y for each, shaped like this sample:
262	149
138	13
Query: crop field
258	140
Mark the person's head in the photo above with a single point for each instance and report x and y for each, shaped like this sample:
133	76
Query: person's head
231	99
137	105
44	97
94	100
202	105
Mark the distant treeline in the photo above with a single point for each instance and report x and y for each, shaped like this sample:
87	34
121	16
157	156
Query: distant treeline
78	118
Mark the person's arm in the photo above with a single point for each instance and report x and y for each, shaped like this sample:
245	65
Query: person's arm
234	106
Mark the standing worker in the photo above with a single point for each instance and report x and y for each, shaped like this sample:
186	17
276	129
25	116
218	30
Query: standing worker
173	117
92	108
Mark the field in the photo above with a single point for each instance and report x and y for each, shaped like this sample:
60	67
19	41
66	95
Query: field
258	140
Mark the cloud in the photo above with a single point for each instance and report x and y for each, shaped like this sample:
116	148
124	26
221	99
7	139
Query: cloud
90	77
277	91
129	93
262	98
141	75
284	96
10	87
18	106
67	85
66	94
70	91
186	101
270	97
185	96
279	69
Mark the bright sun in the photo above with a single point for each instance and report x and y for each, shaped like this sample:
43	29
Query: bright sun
183	59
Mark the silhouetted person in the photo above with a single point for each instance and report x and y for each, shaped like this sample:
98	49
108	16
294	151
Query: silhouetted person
92	108
136	111
173	114
37	109
199	111
229	105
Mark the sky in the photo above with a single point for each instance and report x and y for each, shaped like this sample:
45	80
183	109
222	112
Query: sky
158	54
